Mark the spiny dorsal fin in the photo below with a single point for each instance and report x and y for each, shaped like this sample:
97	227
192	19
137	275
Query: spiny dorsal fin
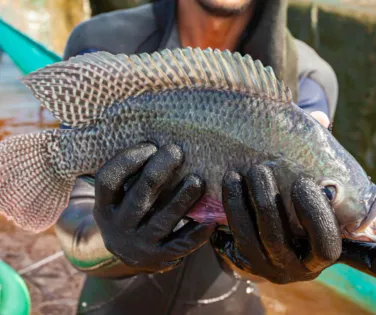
78	91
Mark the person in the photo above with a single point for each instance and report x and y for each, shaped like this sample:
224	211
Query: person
129	233
103	6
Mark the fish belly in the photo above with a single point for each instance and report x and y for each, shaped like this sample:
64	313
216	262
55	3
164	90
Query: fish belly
210	158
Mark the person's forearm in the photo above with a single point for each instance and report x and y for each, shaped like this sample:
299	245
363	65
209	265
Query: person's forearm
81	240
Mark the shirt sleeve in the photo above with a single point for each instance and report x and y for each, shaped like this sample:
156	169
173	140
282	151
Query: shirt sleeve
312	96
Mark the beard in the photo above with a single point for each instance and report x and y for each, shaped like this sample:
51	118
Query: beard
225	8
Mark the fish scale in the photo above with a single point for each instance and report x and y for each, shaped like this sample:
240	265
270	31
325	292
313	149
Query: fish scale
169	117
226	112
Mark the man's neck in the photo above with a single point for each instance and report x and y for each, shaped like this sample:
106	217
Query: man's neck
197	28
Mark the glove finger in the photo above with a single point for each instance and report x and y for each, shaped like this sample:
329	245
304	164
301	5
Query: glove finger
241	219
317	218
111	177
165	220
186	240
141	196
271	218
224	246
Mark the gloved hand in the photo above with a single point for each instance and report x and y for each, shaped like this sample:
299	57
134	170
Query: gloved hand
261	243
137	226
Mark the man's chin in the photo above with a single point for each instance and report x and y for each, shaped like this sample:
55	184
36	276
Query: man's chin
223	8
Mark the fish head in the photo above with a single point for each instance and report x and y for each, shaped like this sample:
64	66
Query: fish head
364	228
352	195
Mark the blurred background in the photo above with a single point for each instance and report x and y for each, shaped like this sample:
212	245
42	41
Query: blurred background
343	32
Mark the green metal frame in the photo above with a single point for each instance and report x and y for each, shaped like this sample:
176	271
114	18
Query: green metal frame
26	53
29	55
354	285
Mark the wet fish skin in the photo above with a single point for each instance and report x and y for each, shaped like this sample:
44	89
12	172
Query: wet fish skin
278	134
232	121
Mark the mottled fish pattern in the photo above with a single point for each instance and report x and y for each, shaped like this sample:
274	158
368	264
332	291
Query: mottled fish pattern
225	110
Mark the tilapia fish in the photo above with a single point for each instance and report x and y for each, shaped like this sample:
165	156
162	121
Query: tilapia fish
225	110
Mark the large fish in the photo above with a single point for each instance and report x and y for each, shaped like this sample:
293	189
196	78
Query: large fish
226	111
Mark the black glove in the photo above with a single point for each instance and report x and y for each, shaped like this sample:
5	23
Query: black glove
261	243
137	226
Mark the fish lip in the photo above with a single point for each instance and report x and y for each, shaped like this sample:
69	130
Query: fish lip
371	216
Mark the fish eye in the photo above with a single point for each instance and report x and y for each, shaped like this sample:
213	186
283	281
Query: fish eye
331	192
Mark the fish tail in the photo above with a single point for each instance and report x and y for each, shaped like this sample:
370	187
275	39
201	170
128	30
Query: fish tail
33	192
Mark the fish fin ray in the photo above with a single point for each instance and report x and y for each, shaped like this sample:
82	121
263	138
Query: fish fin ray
32	193
79	90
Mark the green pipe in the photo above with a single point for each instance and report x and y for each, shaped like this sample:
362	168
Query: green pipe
14	294
27	54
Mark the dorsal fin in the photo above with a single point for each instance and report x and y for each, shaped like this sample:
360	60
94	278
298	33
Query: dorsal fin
78	91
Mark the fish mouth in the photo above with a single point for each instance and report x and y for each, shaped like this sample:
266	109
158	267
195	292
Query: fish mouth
366	231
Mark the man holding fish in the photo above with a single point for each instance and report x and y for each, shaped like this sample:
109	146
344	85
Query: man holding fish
198	282
137	261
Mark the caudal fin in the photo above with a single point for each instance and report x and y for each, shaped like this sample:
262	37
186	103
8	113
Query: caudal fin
32	193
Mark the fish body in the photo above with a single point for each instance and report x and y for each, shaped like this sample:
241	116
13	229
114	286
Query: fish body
225	111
